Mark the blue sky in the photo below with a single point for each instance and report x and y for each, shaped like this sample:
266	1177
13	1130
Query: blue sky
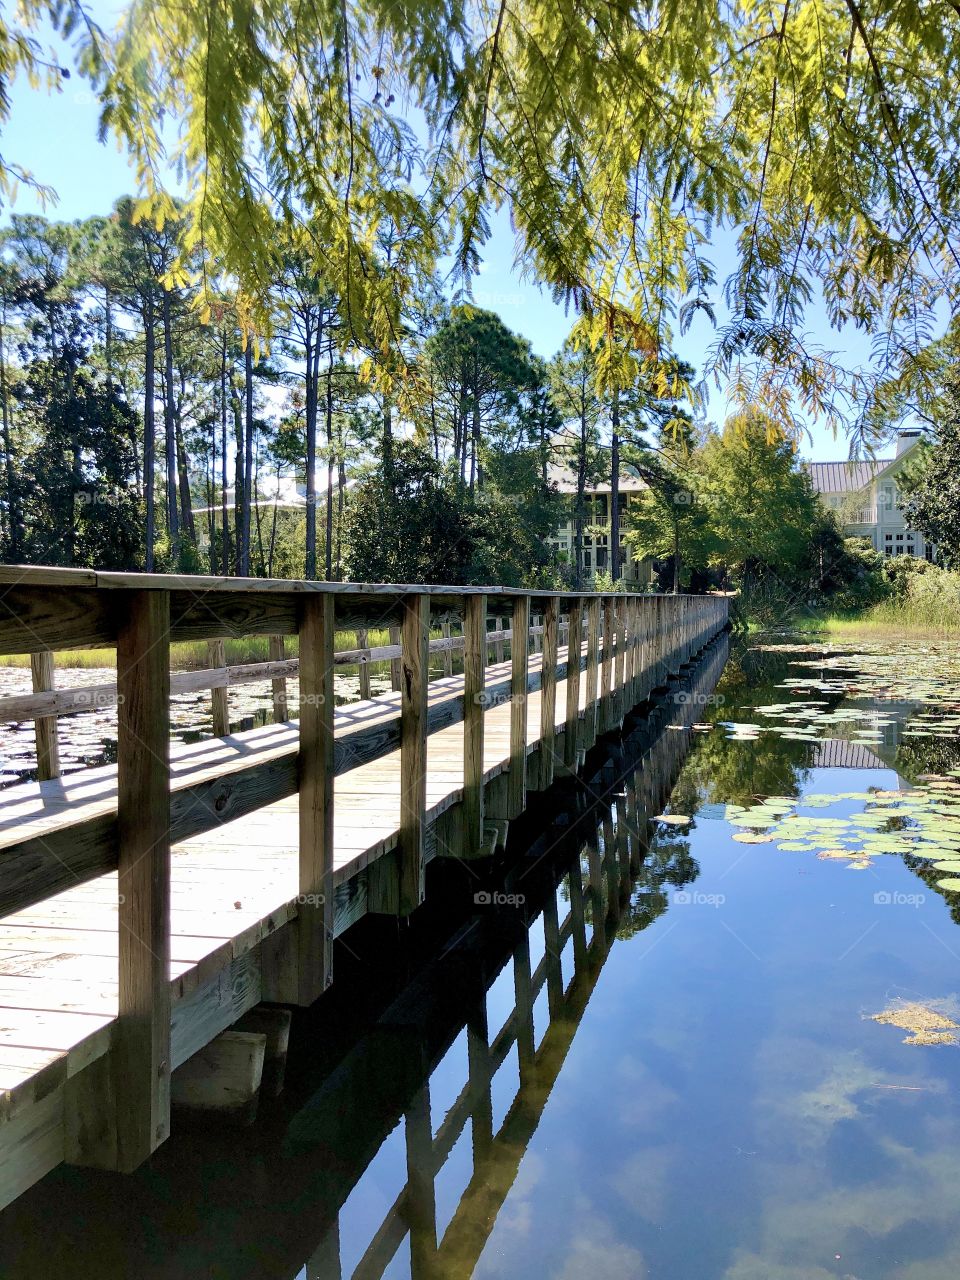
55	137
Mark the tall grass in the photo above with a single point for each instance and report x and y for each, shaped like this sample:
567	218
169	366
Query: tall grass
191	655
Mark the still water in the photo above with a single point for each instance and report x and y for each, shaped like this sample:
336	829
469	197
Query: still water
709	1032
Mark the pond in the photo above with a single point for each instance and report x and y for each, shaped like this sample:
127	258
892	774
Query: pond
747	1069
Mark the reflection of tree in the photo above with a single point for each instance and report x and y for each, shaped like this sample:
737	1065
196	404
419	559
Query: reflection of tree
927	755
924	869
723	772
668	861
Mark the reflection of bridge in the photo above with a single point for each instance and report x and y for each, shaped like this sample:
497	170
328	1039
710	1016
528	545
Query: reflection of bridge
267	1207
838	753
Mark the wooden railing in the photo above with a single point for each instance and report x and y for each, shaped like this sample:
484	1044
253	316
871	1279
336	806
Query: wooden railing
631	644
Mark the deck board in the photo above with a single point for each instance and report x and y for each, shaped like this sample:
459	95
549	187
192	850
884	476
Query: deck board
230	887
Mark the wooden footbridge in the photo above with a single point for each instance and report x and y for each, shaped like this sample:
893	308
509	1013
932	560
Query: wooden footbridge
466	1023
146	907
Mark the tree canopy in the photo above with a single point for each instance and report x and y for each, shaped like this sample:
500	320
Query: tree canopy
822	134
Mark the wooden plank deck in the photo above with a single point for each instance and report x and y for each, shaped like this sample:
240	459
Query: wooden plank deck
230	887
141	916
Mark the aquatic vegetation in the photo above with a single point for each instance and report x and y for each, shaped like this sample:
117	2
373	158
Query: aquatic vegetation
925	1023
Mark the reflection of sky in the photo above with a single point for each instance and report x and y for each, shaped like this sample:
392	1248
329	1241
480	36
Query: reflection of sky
727	1108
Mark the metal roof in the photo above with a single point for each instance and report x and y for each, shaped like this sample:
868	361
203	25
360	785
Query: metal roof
844	477
565	480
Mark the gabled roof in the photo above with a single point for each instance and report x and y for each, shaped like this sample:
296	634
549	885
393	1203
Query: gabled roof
565	480
844	477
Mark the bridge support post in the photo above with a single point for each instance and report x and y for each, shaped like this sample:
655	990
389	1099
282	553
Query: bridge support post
519	657
571	730
48	738
548	694
592	673
414	674
606	671
315	908
119	1110
474	700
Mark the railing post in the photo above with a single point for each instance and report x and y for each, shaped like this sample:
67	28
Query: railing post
548	693
141	1044
45	727
474	680
219	697
577	916
571	731
633	621
447	653
523	994
519	657
498	640
414	675
315	776
551	939
592	672
279	684
394	635
620	669
478	1066
420	1201
363	670
606	671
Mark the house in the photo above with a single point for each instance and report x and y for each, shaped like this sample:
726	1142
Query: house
863	496
595	553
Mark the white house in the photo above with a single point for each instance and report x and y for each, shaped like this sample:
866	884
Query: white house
863	495
595	553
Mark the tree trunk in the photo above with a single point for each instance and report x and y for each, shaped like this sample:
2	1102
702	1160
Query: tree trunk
676	557
238	480
247	461
211	484
173	521
13	497
149	430
187	523
312	354
615	491
341	487
580	501
328	549
387	443
225	548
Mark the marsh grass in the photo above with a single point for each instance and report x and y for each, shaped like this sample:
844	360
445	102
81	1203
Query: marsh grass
926	617
191	655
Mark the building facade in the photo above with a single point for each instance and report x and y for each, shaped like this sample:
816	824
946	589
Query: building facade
595	552
863	496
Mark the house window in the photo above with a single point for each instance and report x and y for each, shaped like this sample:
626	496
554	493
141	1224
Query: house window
928	551
600	507
601	558
899	537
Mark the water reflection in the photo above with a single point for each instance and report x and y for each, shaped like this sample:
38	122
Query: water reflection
498	1004
661	1061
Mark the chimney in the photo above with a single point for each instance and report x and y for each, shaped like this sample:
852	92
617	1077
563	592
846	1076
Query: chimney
907	439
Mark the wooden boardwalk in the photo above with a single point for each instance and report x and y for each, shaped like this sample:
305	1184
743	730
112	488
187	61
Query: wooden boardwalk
261	847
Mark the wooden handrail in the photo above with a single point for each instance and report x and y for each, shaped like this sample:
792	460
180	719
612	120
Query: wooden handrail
633	645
